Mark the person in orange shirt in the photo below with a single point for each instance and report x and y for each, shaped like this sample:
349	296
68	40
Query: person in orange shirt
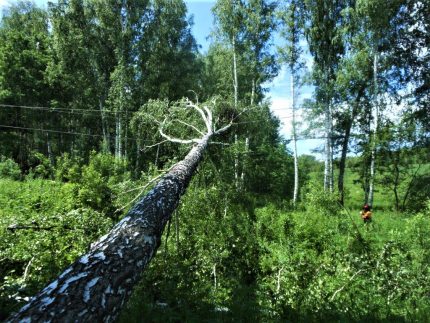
366	214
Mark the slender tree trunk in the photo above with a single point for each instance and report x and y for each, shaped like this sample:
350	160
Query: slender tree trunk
374	130
117	135
136	164
242	175
236	163
235	94
235	81
49	147
342	162
252	92
106	143
120	152
95	287
396	183
296	161
125	136
328	163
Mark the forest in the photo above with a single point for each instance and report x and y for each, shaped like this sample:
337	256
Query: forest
120	136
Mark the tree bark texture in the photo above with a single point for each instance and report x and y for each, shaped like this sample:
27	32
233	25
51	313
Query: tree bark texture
96	286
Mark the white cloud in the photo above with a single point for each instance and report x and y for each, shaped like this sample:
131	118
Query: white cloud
3	3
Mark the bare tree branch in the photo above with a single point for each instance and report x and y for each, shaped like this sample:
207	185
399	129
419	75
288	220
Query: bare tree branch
189	125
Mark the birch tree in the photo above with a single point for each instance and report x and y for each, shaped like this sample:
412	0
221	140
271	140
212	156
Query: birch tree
378	30
292	32
96	286
322	33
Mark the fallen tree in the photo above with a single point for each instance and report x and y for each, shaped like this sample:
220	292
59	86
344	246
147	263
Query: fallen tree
96	286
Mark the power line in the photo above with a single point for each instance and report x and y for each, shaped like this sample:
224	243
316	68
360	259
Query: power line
66	110
98	112
68	133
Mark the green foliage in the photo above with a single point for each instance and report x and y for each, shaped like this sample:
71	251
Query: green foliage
40	166
68	168
96	189
9	169
321	202
309	271
54	233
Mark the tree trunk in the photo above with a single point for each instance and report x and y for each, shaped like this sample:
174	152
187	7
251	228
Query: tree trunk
104	126
236	164
328	163
375	129
296	162
252	92
50	153
342	162
235	82
95	287
242	175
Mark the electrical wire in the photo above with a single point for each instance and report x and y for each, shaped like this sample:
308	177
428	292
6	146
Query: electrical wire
68	133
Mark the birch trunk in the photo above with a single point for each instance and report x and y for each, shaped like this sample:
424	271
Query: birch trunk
252	92
95	287
49	147
242	175
375	113
296	162
106	143
235	81
118	139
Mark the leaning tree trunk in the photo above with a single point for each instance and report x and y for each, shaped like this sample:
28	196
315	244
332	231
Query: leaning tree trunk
95	287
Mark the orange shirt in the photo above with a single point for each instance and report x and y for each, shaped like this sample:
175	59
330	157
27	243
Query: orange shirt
366	214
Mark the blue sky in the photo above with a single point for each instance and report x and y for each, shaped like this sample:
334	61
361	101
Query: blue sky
279	92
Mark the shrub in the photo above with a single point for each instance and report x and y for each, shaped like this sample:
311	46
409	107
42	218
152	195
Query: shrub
319	201
98	181
9	169
68	168
40	166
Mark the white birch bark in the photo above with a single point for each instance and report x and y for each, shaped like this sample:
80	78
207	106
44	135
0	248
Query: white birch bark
296	163
235	81
375	117
106	143
242	175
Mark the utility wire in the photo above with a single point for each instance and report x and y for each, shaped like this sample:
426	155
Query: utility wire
98	112
68	133
65	110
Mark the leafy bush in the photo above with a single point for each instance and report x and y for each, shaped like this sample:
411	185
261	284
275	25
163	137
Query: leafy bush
57	232
319	201
68	168
40	166
9	169
98	180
